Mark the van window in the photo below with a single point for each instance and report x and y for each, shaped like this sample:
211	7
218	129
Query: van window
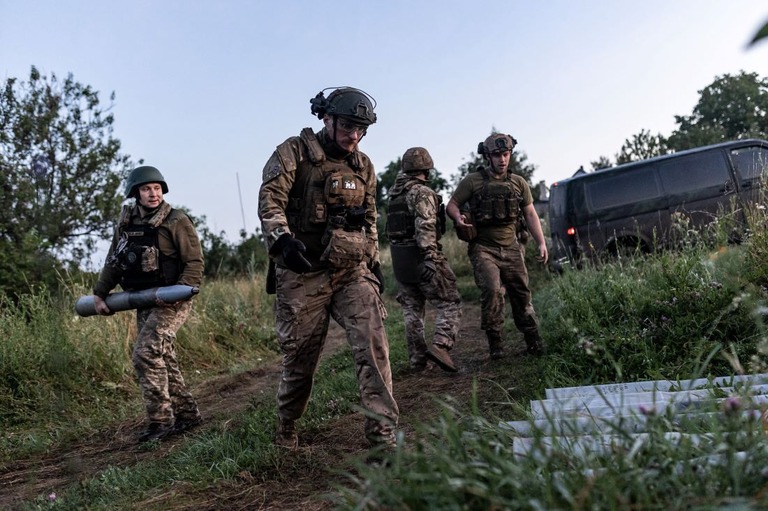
631	187
696	176
750	162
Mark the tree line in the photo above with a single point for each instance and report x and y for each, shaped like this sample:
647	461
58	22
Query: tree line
61	171
730	108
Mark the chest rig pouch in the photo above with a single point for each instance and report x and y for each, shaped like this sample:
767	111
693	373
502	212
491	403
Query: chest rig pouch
329	202
497	204
345	236
138	255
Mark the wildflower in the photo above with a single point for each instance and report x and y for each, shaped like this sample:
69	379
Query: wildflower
52	496
586	345
731	405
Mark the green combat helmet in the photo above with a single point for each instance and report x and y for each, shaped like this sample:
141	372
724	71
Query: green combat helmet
496	143
142	175
417	159
346	102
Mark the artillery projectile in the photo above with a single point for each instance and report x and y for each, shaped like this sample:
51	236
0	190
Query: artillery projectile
128	300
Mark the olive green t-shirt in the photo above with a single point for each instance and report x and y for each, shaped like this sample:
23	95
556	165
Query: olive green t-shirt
492	235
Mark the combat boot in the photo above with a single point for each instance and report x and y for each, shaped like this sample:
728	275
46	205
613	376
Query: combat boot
418	363
155	431
495	345
440	356
286	435
186	423
534	344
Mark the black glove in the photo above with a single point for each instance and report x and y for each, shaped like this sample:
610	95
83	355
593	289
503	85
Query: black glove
292	251
376	270
428	270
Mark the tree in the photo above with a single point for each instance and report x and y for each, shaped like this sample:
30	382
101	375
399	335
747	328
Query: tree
60	173
732	107
602	163
385	181
641	147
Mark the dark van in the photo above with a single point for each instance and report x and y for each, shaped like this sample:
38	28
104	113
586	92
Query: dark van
630	206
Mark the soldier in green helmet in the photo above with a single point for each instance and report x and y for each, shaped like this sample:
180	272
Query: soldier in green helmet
415	223
155	245
497	198
317	206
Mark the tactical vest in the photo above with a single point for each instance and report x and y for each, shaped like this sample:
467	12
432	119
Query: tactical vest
326	206
323	191
497	204
142	263
401	223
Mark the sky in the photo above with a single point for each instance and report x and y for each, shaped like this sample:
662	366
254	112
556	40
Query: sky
205	90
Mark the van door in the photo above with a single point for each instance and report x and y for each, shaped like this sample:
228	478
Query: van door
751	167
622	210
699	188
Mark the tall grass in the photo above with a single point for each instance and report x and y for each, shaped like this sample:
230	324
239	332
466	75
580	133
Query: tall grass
60	373
674	315
685	314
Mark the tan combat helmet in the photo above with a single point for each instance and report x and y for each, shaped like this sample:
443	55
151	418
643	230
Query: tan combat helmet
496	143
417	159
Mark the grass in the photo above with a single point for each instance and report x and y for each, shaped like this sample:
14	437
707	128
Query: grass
674	315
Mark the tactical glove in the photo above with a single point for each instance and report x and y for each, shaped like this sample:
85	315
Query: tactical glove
292	251
428	270
376	270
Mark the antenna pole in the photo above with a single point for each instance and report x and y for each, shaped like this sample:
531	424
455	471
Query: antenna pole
240	196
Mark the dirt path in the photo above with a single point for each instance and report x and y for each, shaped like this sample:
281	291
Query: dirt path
223	397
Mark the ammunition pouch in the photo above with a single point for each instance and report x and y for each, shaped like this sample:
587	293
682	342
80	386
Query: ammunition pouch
345	248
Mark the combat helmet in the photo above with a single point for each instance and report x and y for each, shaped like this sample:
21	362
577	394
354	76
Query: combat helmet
496	143
142	175
417	159
348	102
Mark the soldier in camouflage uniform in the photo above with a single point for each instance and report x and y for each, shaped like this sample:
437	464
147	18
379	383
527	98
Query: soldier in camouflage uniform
415	222
317	206
496	198
155	245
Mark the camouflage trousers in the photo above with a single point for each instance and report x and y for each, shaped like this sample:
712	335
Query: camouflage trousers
154	358
441	293
305	303
497	269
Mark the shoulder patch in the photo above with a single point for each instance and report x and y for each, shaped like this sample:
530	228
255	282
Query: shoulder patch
282	160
